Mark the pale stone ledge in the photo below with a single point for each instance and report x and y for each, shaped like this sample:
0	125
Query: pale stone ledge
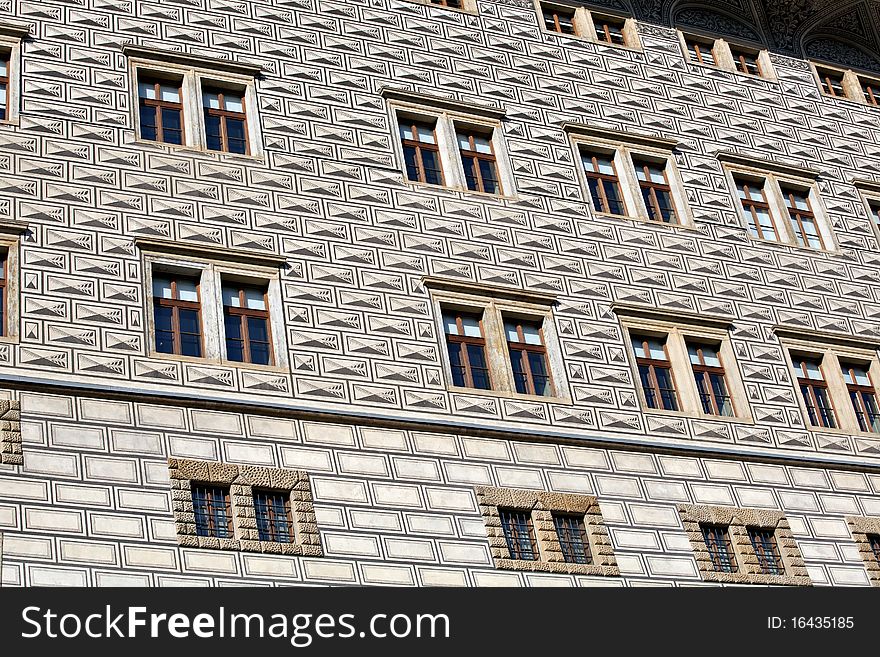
10	433
542	505
242	479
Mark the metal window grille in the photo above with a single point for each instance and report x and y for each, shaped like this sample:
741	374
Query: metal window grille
767	551
274	520
874	542
718	543
213	511
519	534
572	534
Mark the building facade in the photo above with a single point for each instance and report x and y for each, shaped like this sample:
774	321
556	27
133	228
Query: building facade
459	292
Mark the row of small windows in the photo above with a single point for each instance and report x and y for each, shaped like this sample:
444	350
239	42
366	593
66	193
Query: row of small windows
213	513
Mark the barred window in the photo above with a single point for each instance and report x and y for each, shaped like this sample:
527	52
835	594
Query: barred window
746	61
655	372
802	217
421	152
603	182
274	522
717	538
863	395
572	534
161	110
455	4
225	120
466	345
871	90
832	83
478	160
519	534
558	19
528	358
710	378
767	551
610	29
176	314
656	190
246	322
213	511
756	209
814	390
701	51
874	542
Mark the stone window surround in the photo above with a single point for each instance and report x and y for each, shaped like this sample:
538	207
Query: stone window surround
242	479
860	527
10	433
10	237
542	505
831	350
738	521
11	36
194	71
773	174
721	48
449	115
493	303
624	146
584	23
211	266
852	85
678	328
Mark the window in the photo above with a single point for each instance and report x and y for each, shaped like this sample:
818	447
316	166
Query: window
743	546
9	280
503	345
655	372
272	510
572	535
469	6
836	382
171	86
225	120
564	532
231	510
161	110
558	19
246	320
5	72
709	376
746	61
874	542
213	512
449	143
656	192
866	535
421	152
478	160
803	221
610	29
519	534
756	209
764	543
455	4
10	71
700	51
467	350
874	207
177	315
717	540
778	203
214	305
603	182
862	394
814	391
4	304
846	84
528	358
683	364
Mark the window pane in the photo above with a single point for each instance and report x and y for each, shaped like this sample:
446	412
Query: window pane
520	378
147	90
471	326
479	368
456	365
232	323
540	375
234	103
235	132
213	137
489	176
172	131
148	123
161	287
464	142
255	299
230	297
258	329
426	134
187	290
170	94
482	144
211	100
431	163
410	158
450	325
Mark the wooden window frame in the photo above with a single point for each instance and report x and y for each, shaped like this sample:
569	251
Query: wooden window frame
863	416
462	341
243	313
524	349
223	114
210	510
420	146
476	158
706	371
603	178
804	381
797	216
655	214
176	304
749	206
6	81
554	11
4	292
274	534
158	105
652	364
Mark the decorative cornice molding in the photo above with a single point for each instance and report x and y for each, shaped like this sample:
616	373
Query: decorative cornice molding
486	290
196	61
11	227
825	337
739	159
865	185
612	134
241	256
15	30
442	103
672	316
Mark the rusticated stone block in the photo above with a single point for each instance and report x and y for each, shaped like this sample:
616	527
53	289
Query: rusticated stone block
10	433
